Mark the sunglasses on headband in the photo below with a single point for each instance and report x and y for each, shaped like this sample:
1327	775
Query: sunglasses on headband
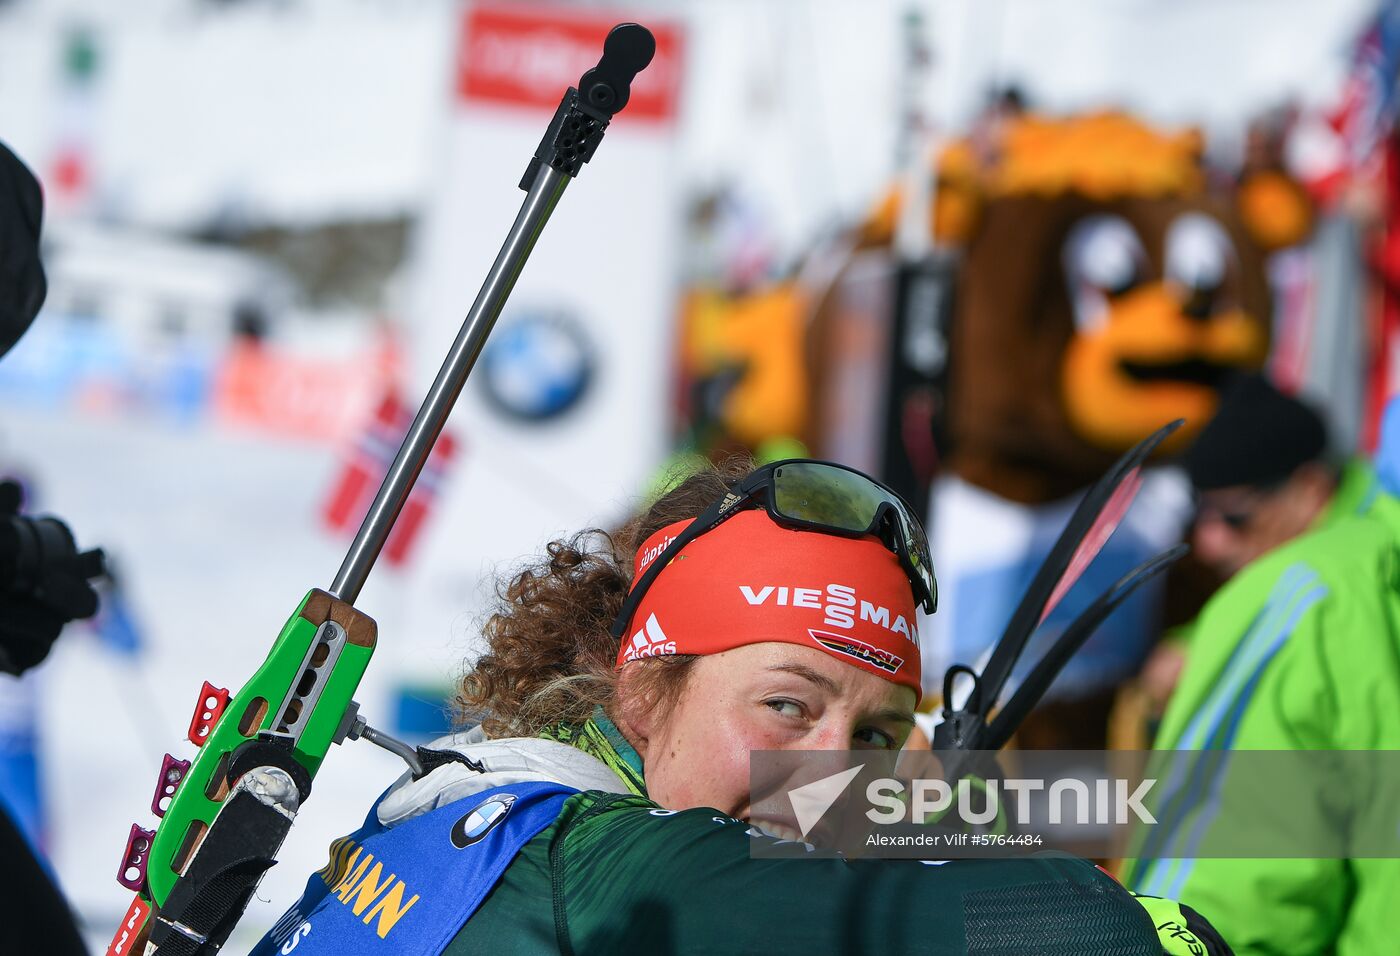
816	495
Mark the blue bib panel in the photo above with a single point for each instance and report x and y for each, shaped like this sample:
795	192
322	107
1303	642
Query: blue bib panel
408	889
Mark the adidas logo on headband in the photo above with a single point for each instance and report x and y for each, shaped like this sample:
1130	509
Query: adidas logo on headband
650	641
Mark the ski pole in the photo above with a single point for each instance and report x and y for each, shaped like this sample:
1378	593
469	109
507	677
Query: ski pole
1088	530
1043	674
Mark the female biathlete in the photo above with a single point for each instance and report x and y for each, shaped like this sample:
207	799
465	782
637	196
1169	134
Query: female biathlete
602	804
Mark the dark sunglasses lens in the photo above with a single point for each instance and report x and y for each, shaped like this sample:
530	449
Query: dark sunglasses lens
916	544
848	501
1236	520
827	496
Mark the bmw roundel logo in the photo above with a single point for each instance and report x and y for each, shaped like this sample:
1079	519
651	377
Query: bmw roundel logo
537	366
481	820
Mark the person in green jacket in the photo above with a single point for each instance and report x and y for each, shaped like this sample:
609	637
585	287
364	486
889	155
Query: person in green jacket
603	806
1262	476
1300	650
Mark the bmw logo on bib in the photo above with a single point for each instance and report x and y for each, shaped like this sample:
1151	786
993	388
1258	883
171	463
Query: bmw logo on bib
481	821
537	366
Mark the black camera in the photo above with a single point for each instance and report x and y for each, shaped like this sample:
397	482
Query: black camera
44	582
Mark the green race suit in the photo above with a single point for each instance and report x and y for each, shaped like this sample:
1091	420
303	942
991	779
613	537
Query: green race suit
1299	651
611	872
614	874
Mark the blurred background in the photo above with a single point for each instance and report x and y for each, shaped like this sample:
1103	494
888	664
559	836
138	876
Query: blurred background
845	229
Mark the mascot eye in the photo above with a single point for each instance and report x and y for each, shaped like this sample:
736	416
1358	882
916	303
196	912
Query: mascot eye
1103	256
1199	253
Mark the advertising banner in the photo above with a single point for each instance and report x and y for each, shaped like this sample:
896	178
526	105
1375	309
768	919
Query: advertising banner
566	410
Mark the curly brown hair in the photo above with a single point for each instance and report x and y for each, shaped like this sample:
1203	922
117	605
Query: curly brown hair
551	657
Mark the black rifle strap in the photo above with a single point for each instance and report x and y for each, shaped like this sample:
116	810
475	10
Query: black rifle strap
207	901
432	759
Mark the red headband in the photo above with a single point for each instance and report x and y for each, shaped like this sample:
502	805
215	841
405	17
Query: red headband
750	580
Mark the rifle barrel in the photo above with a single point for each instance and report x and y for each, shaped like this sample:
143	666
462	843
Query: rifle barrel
539	203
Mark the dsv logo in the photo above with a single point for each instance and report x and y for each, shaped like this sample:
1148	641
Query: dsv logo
473	827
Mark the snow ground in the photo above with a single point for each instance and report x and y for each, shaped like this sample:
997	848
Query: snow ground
218	537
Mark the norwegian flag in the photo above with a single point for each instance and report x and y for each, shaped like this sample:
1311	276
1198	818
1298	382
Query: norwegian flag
364	472
1367	108
1357	145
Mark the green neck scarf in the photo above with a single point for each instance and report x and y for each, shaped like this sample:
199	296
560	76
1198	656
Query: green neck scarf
599	738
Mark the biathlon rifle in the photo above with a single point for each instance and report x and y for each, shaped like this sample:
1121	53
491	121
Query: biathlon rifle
970	726
224	815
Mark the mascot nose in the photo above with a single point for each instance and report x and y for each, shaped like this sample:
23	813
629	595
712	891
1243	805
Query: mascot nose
1199	303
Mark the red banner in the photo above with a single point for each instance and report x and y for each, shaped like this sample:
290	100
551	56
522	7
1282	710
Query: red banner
302	396
524	55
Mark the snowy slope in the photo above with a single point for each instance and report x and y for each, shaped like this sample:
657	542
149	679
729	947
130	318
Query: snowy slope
217	536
